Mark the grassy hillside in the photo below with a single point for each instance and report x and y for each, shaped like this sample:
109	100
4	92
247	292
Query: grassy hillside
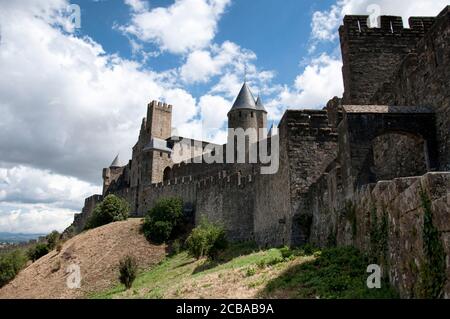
97	252
245	272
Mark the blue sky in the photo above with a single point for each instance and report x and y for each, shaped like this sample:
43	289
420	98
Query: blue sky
278	32
72	98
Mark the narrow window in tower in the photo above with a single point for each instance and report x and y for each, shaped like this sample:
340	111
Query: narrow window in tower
252	114
160	154
240	114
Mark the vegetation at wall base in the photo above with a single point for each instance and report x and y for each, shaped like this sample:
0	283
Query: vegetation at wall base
111	209
207	240
432	272
244	271
164	221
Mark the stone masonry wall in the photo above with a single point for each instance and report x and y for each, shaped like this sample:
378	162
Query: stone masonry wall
370	55
350	223
311	144
229	201
423	79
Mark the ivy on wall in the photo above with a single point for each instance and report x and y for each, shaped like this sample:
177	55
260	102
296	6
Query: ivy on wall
379	232
432	274
349	212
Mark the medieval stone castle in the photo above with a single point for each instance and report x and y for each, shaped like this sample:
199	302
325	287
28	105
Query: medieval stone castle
370	152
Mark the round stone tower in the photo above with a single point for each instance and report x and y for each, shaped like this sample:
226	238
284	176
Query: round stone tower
243	114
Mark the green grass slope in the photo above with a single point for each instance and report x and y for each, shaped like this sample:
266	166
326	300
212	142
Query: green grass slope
245	272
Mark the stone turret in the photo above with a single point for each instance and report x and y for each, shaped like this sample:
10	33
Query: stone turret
261	117
243	113
111	174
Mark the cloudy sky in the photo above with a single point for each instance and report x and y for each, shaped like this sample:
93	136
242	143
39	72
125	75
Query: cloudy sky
73	91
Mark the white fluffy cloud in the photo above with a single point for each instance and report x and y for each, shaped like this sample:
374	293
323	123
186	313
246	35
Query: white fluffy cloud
33	218
66	105
325	23
201	65
67	109
184	26
20	184
38	201
137	5
214	111
320	80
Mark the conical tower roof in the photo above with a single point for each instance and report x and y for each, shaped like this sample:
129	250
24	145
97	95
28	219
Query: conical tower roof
245	99
260	105
116	162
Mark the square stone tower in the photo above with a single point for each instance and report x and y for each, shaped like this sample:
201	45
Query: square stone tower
156	156
159	120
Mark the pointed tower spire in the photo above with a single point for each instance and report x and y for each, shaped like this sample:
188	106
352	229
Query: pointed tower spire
116	162
260	105
245	99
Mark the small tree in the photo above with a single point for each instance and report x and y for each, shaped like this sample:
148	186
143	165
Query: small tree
37	251
128	271
111	209
53	239
206	240
10	265
164	220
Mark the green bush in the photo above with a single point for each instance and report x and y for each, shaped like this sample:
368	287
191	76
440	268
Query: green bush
111	209
176	247
37	251
128	269
207	240
53	239
10	265
164	221
286	252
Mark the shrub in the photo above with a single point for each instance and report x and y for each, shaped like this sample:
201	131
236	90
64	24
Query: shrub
164	221
39	250
286	252
10	265
206	240
53	239
111	209
128	271
251	271
176	247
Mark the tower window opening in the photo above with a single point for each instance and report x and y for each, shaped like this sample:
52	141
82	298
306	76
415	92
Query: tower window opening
240	114
160	154
252	114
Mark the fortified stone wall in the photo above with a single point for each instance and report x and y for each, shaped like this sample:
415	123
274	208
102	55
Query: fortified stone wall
353	222
310	145
423	79
229	201
81	219
184	188
370	55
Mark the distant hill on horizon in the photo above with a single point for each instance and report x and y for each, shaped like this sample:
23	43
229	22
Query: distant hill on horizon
17	237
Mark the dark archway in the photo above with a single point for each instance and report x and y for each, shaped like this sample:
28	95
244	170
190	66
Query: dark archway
167	175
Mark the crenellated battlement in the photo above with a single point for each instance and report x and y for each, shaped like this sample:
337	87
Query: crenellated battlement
308	123
160	105
222	178
388	25
372	54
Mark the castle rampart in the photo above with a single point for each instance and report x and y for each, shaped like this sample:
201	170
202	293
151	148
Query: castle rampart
371	55
423	79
